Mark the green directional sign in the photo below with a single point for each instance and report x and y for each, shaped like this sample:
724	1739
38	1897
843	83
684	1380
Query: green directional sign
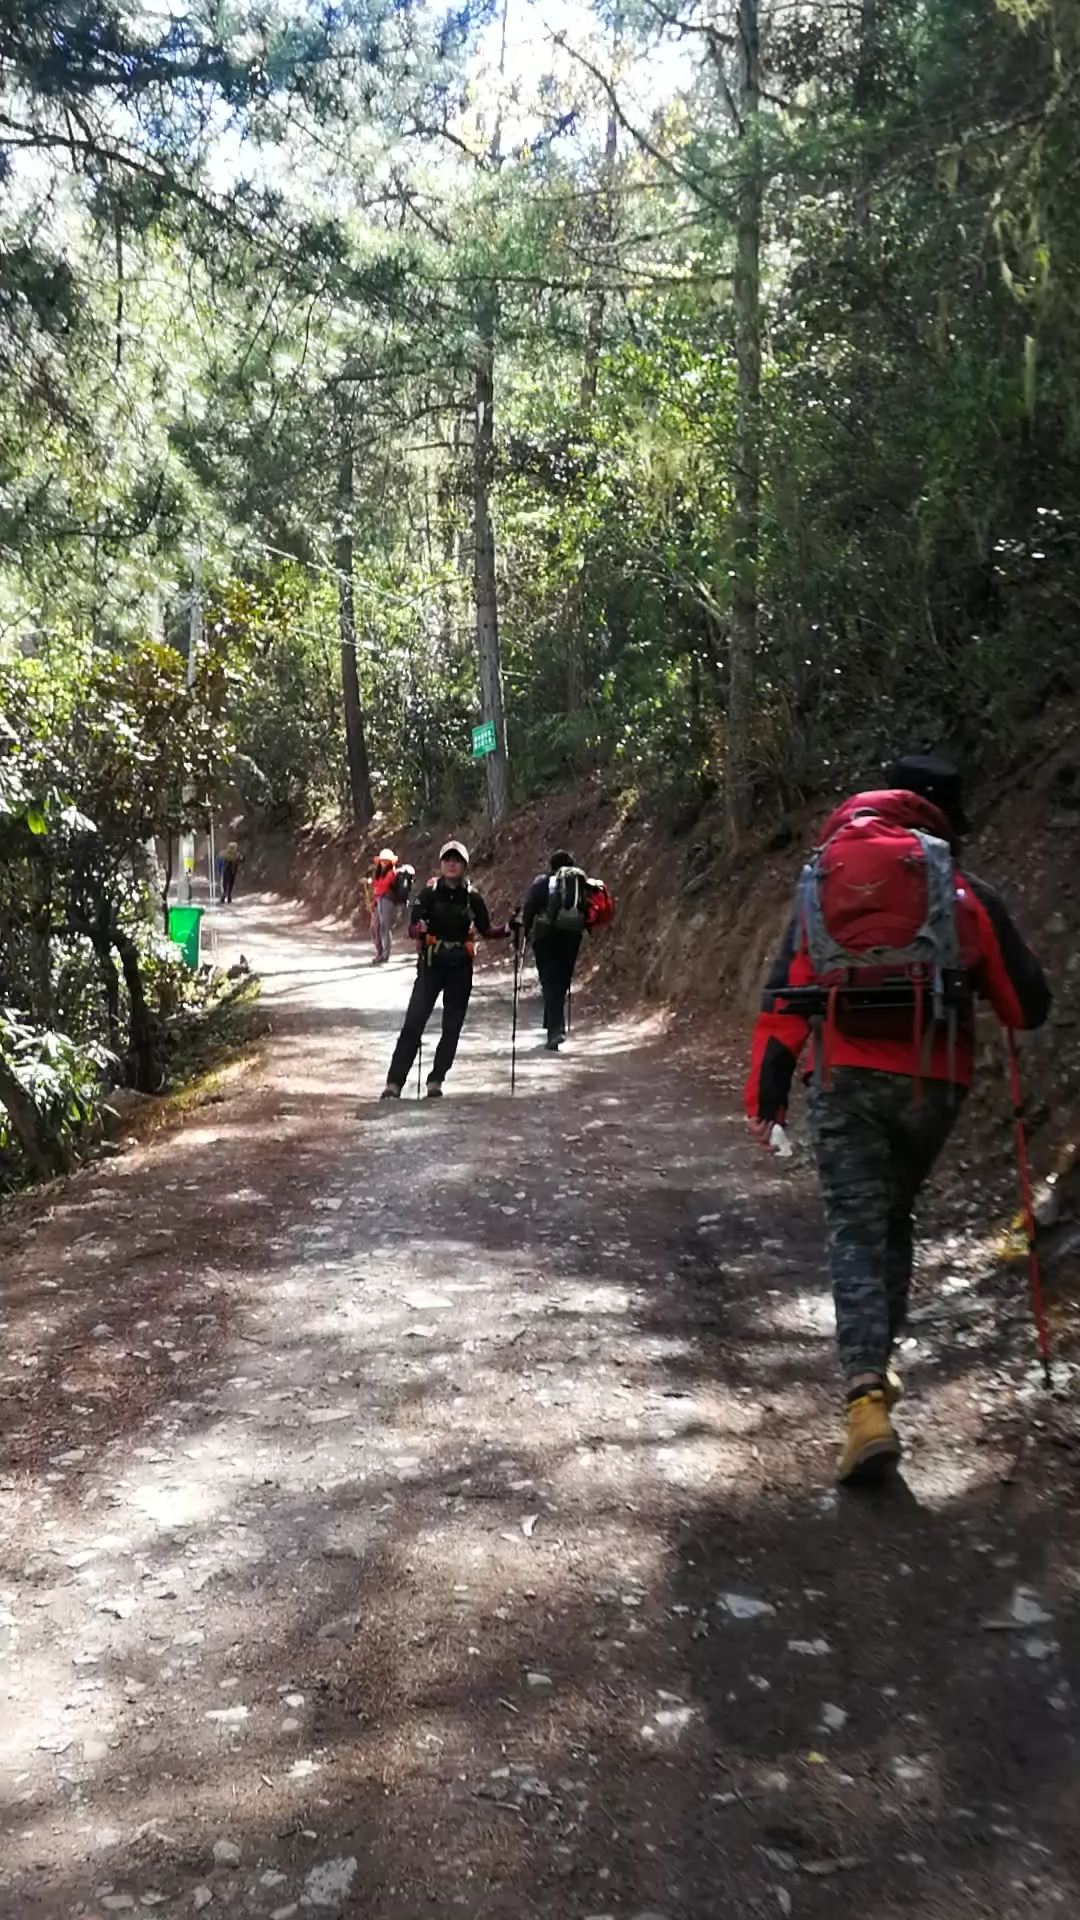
483	739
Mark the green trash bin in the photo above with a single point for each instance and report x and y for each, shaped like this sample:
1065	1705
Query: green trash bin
184	928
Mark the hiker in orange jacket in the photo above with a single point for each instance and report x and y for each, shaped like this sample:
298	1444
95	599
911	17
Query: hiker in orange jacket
893	1049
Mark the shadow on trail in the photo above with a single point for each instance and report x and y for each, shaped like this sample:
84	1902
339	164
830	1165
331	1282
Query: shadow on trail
557	1611
674	1754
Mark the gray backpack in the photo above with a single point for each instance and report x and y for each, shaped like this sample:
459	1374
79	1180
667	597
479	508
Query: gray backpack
566	910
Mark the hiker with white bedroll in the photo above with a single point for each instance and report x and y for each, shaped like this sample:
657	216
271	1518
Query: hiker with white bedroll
447	915
561	906
888	947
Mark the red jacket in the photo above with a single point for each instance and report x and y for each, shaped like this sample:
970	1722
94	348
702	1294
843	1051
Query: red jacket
997	964
384	880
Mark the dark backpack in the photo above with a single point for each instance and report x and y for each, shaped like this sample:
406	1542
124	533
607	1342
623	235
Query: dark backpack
402	887
567	908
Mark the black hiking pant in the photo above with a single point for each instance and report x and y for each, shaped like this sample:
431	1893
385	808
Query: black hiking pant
556	957
228	881
454	981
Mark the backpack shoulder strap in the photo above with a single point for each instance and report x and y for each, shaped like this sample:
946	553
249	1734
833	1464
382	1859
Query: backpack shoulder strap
942	921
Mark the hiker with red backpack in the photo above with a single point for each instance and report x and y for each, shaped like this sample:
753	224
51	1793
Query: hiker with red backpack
561	906
889	945
384	884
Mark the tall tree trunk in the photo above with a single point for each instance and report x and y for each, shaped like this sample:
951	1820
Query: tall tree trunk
140	1026
484	581
747	487
166	882
41	936
603	228
864	94
97	928
99	933
110	982
363	804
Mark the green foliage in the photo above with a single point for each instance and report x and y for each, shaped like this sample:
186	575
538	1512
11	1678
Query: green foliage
148	747
99	756
284	703
65	1081
260	384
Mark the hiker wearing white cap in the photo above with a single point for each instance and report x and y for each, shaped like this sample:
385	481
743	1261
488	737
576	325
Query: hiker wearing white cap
384	876
447	915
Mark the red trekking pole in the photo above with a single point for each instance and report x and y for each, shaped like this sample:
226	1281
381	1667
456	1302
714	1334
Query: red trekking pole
1028	1210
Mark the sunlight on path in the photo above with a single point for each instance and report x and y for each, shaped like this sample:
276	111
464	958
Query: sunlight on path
431	1507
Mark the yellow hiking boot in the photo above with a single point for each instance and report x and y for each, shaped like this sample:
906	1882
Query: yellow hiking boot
871	1446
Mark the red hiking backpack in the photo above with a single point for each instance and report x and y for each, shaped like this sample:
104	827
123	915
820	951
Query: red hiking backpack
877	919
599	905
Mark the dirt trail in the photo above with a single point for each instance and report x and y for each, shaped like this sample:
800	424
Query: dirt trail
429	1509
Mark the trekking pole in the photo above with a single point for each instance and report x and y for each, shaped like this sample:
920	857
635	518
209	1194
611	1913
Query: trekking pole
1028	1209
513	1028
569	1009
420	1049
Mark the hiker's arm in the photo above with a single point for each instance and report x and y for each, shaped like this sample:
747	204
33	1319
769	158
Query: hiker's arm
483	923
418	914
779	1038
482	918
1008	973
534	900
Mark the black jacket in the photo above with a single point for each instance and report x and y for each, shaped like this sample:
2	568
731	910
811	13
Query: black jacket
450	913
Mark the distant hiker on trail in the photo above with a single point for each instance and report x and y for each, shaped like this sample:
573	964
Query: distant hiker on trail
560	907
384	900
231	862
447	915
888	946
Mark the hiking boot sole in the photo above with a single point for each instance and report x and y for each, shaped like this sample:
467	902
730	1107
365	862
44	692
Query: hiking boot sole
873	1464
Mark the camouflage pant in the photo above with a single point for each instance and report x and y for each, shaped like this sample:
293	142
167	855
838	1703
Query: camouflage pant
875	1146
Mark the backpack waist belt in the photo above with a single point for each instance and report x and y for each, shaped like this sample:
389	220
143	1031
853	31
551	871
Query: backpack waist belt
433	945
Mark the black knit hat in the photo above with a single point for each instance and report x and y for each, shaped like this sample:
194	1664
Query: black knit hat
560	859
935	780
